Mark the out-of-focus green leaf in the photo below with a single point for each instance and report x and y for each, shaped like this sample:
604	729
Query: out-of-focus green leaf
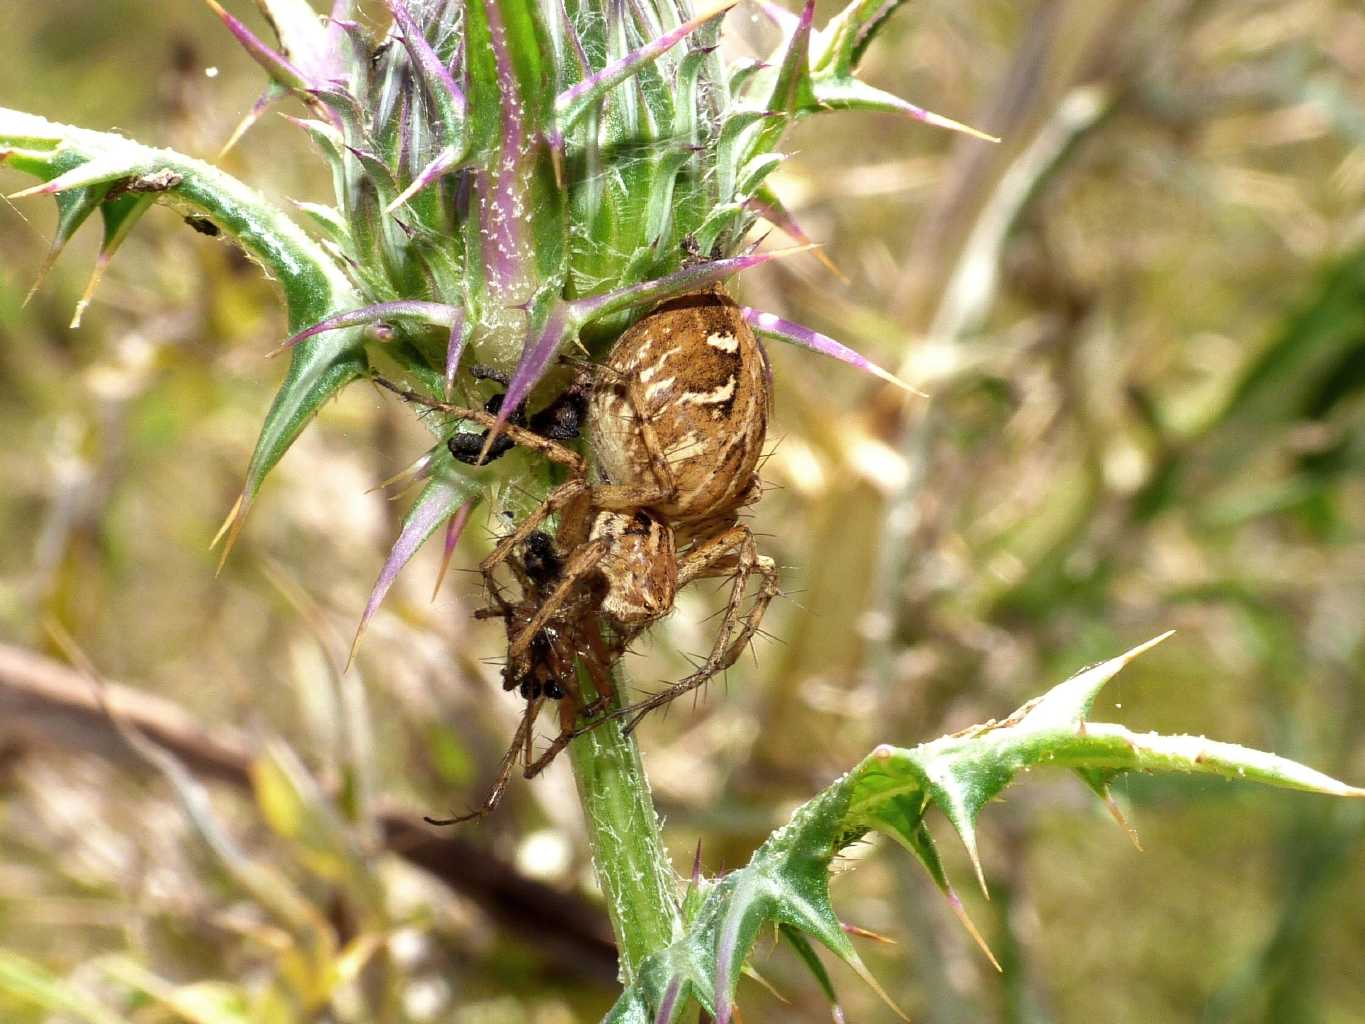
35	984
305	961
348	964
1308	371
296	808
200	1002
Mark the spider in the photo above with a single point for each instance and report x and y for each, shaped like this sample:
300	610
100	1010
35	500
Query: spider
676	418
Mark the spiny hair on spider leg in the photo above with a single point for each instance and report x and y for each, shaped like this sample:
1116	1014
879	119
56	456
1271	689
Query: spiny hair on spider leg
770	637
762	463
482	371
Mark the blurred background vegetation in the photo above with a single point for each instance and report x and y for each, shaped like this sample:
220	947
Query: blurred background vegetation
1142	321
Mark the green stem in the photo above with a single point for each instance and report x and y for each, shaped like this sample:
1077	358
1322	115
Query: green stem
624	832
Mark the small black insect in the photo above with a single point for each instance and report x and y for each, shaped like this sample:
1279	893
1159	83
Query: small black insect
561	420
466	447
540	560
204	226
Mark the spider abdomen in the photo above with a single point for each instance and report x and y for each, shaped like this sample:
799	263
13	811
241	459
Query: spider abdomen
701	383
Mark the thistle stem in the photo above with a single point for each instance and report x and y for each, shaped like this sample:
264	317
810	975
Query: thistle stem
624	833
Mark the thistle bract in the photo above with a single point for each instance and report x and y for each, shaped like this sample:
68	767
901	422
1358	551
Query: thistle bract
512	178
515	176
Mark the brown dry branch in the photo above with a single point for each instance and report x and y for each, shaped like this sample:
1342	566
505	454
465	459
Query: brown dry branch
46	704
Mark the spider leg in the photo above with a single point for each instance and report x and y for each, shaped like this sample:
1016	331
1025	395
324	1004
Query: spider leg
555	500
523	436
658	460
717	555
501	608
520	741
598	659
736	630
629	497
566	735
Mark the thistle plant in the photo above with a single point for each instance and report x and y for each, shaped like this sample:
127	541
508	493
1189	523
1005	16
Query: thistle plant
520	180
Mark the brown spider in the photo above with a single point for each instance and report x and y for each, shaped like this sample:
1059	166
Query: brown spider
676	418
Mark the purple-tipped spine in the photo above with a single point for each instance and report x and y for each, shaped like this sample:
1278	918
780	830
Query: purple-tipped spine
572	102
426	515
275	63
425	57
772	326
454	350
505	209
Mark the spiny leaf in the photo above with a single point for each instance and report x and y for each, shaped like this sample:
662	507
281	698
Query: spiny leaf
851	94
120	215
436	314
314	285
73	208
811	959
786	880
101	170
317	372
